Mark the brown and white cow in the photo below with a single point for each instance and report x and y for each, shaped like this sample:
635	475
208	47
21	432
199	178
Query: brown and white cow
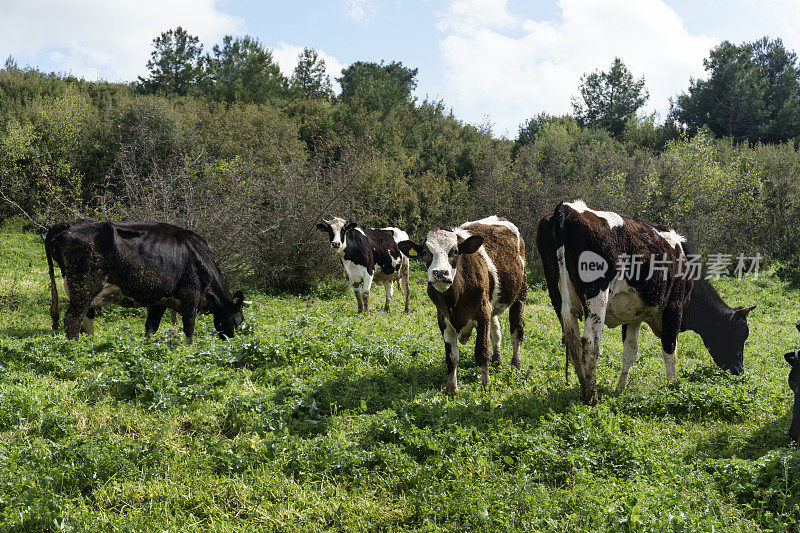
580	249
475	273
367	255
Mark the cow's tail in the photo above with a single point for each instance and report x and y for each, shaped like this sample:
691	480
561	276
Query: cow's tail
48	250
550	241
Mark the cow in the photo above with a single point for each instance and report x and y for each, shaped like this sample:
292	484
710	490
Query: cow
793	358
369	255
475	272
132	264
584	254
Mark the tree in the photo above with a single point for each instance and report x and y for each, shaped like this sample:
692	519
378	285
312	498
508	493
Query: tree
243	70
608	99
532	126
310	78
752	93
379	86
175	63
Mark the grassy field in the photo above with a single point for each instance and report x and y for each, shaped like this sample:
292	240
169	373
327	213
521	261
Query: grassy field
317	419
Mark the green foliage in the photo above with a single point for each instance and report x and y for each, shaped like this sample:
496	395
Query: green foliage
309	78
242	70
313	418
609	99
752	93
378	86
175	64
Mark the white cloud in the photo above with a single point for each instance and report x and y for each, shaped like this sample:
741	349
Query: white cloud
286	56
784	17
359	11
101	38
511	68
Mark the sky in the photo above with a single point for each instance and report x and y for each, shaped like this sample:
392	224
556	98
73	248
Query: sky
494	62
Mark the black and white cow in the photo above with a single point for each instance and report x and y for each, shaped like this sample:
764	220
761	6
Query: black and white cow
369	255
475	272
153	265
580	249
793	358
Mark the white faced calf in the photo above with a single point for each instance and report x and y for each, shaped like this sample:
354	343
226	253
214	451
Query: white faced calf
369	254
475	273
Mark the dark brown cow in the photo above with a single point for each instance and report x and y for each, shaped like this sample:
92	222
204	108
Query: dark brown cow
580	250
793	358
153	265
475	273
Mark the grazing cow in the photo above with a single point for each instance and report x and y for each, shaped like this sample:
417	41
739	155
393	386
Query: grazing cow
475	272
793	358
153	265
581	251
369	254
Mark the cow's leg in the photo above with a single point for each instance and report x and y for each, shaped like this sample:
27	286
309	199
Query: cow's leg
482	344
365	286
87	324
174	317
76	312
590	345
188	315
450	337
405	275
516	321
82	291
496	336
571	338
630	351
389	293
153	320
670	327
357	292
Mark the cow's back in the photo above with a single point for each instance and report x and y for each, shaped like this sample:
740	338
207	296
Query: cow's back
148	261
502	255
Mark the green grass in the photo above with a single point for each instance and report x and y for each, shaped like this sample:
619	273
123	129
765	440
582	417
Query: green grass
317	419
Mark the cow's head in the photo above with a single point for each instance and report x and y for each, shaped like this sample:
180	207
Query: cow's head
230	317
726	343
337	228
793	358
441	252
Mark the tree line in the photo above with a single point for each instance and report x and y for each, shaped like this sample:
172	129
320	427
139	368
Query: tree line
225	144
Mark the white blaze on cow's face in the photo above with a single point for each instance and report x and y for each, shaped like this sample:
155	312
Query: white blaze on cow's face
338	242
336	229
441	251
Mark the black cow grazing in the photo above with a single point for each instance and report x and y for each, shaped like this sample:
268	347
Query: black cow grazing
475	272
369	254
793	358
597	292
153	265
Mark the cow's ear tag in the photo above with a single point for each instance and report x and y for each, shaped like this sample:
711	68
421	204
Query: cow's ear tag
413	252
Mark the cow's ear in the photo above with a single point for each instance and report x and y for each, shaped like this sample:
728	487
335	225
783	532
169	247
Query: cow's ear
470	245
791	357
238	298
323	227
741	312
349	226
410	248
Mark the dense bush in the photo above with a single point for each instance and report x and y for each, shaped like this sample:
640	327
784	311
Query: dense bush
253	179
